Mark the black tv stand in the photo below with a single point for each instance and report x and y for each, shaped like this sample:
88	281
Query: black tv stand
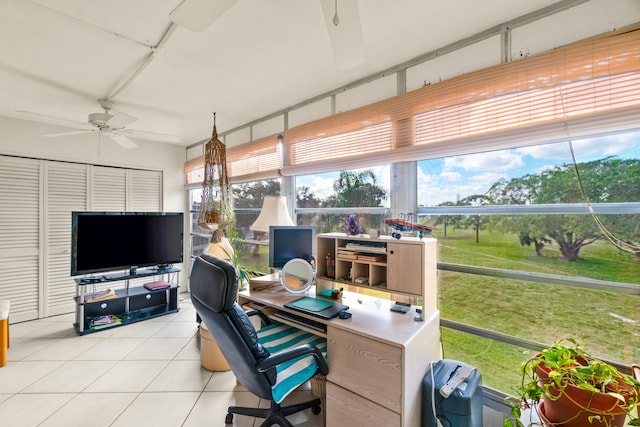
125	304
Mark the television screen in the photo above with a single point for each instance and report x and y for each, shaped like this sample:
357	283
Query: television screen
288	242
106	241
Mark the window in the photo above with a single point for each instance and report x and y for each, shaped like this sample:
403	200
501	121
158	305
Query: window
520	252
325	200
522	259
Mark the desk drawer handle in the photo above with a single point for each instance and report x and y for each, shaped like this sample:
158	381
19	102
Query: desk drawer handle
148	296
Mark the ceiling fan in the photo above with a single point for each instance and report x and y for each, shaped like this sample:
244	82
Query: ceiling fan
107	123
341	19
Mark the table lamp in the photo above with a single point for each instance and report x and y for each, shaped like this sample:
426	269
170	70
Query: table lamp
274	212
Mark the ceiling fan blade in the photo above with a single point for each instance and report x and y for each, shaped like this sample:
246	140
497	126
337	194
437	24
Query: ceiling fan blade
120	120
346	37
197	15
43	118
73	132
152	136
122	140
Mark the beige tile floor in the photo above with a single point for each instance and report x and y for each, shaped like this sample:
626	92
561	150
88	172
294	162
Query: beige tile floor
142	374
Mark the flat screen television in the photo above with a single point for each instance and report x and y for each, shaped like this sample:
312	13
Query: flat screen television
289	242
108	241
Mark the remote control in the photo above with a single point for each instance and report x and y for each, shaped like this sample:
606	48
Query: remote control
460	376
401	307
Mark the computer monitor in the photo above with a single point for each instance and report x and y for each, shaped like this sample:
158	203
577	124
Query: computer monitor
289	242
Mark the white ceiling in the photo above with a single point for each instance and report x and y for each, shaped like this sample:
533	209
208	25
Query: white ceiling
261	56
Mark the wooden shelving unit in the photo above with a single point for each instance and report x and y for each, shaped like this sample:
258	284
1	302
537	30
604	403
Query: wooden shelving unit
404	267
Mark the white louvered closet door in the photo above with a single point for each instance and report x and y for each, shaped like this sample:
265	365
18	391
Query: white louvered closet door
20	236
108	189
36	201
145	191
65	191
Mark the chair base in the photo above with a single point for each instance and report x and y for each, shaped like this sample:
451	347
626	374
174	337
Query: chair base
276	414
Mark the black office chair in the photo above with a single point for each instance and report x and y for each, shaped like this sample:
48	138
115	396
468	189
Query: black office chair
214	286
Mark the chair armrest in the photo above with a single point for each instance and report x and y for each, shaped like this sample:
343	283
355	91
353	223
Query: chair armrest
263	317
285	355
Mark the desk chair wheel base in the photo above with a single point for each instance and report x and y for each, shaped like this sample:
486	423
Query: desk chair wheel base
276	414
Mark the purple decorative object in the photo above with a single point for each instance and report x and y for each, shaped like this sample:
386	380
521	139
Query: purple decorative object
352	226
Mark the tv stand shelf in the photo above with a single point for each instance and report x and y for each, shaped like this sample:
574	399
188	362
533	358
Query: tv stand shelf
127	304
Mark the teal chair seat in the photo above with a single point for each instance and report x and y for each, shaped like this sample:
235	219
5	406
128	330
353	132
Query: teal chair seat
278	337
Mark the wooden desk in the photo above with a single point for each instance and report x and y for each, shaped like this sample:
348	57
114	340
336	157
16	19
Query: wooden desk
377	358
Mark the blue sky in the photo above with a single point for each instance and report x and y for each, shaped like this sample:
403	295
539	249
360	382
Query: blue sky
447	179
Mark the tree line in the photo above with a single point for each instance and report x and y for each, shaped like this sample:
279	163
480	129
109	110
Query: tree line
607	180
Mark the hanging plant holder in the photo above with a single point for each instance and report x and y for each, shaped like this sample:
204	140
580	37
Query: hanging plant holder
216	211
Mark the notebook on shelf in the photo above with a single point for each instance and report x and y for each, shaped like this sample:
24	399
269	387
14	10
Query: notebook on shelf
160	284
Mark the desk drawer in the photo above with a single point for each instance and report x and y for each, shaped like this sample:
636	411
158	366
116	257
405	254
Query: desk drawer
348	409
147	299
366	367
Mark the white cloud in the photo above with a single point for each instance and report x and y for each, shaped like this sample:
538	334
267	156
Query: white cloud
451	176
584	149
321	186
497	160
558	151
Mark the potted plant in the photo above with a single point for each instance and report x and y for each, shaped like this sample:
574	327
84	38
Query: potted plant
244	273
569	387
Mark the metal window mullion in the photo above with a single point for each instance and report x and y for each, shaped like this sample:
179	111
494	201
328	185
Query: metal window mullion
576	282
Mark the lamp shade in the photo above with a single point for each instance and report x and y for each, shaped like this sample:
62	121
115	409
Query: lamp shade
274	212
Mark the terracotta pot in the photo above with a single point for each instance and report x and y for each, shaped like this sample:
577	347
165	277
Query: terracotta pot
543	415
574	407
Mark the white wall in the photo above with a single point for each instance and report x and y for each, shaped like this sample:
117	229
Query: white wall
24	138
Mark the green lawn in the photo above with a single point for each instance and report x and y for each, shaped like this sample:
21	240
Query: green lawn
609	323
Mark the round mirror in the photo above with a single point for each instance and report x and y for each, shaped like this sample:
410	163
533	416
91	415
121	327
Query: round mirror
296	275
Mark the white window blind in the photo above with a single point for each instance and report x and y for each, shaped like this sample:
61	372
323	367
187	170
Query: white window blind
259	159
588	87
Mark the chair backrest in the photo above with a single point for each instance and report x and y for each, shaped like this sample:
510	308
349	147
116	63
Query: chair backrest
214	285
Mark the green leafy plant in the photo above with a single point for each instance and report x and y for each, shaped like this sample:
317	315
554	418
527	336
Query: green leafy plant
551	374
244	273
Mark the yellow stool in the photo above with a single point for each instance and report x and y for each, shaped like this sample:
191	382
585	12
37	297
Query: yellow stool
211	357
4	331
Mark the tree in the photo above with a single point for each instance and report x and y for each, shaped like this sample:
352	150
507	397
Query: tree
356	189
251	195
306	199
475	221
605	180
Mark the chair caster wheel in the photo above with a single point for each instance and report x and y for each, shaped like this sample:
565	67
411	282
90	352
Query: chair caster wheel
228	419
316	410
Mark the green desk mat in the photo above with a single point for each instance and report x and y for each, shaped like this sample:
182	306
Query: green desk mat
311	304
